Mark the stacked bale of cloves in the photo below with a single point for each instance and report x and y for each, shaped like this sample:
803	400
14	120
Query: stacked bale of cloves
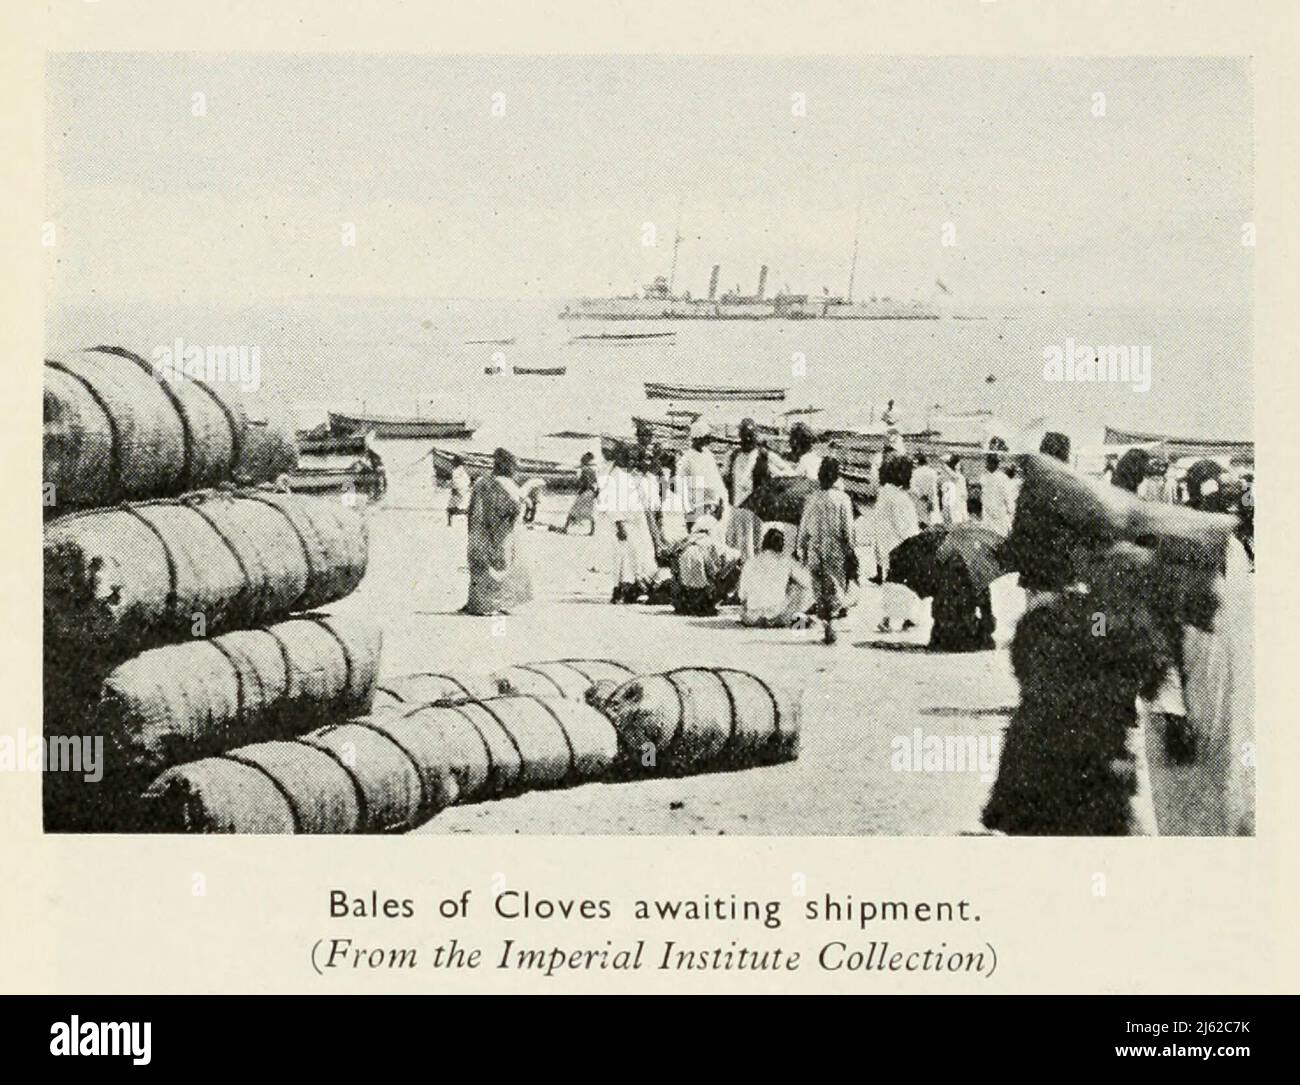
482	738
169	605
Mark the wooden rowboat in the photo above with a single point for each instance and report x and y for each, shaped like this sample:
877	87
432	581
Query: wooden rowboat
712	393
1237	451
390	427
351	478
557	476
539	371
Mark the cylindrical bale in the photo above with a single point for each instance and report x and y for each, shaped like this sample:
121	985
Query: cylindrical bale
270	450
121	580
334	540
545	756
591	737
506	766
79	465
216	795
430	688
333	662
694	718
387	779
155	431
269	787
571	678
458	738
767	719
185	701
451	761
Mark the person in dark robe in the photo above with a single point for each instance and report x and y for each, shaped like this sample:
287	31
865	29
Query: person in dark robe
498	577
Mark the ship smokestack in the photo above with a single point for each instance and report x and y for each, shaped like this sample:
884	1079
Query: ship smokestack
762	282
713	281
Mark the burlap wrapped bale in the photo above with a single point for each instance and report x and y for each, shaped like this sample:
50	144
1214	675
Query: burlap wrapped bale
387	772
118	581
115	429
411	690
186	701
270	450
571	678
694	719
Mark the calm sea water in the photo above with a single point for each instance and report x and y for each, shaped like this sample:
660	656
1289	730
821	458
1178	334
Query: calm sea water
407	356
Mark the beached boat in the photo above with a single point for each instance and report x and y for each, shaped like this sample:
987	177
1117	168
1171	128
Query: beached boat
1237	451
674	430
713	393
392	427
489	342
349	478
319	441
557	476
539	371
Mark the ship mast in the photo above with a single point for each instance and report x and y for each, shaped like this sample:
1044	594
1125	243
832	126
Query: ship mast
853	264
677	243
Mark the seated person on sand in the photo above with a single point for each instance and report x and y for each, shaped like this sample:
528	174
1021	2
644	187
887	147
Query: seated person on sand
775	590
705	571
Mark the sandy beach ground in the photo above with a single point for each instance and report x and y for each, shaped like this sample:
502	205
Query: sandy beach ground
859	695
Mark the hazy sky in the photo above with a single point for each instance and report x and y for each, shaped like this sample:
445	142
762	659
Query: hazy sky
1050	203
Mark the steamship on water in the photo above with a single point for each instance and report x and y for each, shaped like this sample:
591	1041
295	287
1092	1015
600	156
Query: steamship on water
657	301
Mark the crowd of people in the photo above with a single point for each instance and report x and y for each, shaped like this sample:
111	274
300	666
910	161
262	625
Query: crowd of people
774	532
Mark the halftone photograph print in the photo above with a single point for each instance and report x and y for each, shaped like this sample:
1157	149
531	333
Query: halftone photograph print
646	444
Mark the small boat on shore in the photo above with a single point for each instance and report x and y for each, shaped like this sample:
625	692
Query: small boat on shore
557	476
391	427
319	441
539	371
489	342
713	393
350	478
1237	451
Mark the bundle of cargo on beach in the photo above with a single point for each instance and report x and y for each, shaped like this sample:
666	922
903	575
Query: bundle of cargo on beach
398	427
396	769
560	477
116	428
189	700
712	393
573	679
123	579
